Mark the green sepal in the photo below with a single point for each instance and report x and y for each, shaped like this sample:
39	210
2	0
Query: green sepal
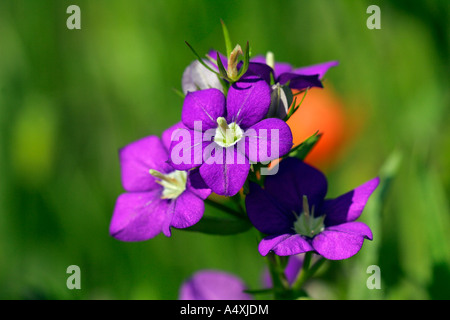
295	106
222	71
303	149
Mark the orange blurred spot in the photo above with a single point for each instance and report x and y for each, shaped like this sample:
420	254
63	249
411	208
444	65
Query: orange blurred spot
320	111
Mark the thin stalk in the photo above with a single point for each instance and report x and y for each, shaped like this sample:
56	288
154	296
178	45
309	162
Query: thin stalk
279	281
303	275
239	202
307	271
259	291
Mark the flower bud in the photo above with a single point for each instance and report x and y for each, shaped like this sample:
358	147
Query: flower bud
281	99
233	60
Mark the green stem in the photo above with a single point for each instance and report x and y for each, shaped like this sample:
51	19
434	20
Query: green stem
303	274
259	291
239	202
316	266
307	271
279	281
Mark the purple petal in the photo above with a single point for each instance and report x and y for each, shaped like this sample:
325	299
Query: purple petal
213	285
349	206
342	241
261	70
319	69
293	267
294	180
226	171
187	149
265	213
197	185
167	134
355	227
203	106
137	158
300	82
248	101
198	77
259	59
279	68
284	245
138	216
267	140
185	211
282	67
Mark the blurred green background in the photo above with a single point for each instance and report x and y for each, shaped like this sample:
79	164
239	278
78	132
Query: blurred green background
69	99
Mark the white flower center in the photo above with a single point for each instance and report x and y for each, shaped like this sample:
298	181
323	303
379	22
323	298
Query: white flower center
227	135
174	183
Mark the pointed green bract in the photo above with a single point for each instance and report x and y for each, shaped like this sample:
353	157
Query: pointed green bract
244	67
226	36
295	106
200	58
303	149
179	93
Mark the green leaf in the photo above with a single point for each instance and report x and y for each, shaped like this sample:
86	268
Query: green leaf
220	226
200	59
226	36
303	149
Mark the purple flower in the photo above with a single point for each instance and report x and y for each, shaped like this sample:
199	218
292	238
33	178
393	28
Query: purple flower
157	196
292	212
281	76
283	73
299	78
213	285
232	133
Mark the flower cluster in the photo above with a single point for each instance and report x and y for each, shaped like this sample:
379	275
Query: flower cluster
233	124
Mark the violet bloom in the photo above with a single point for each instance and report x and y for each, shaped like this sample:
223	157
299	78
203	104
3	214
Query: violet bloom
298	78
292	212
282	77
287	78
282	72
232	133
213	285
157	196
